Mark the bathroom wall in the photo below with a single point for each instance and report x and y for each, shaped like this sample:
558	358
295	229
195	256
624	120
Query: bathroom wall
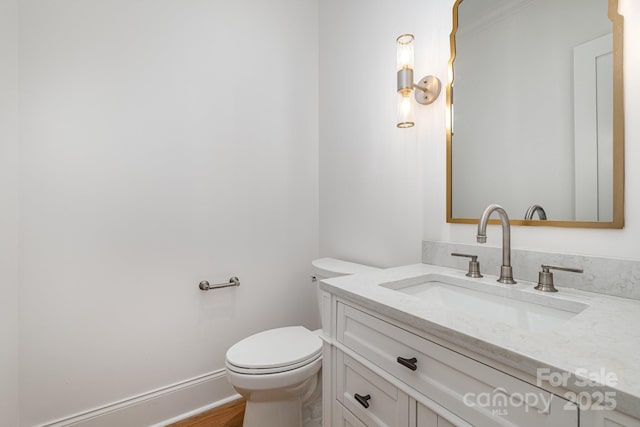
611	243
8	212
371	173
380	187
163	143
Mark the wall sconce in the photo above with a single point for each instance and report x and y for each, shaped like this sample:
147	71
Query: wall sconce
426	91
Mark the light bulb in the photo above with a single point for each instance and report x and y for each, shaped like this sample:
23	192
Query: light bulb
405	110
404	46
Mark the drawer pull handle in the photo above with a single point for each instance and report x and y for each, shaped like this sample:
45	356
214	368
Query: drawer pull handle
409	363
363	400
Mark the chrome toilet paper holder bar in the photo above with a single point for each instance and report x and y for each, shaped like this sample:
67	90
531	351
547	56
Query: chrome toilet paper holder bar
205	286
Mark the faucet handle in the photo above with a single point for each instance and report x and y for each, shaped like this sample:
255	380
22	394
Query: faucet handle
474	265
545	277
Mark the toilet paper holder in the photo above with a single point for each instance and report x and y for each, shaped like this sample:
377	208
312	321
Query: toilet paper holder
205	286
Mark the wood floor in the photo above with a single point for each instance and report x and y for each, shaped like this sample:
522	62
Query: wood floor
229	415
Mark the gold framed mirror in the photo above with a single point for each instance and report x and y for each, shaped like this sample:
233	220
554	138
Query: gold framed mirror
536	120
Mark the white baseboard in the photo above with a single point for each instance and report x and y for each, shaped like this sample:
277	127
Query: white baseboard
158	407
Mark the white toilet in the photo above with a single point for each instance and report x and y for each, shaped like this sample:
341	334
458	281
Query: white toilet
278	371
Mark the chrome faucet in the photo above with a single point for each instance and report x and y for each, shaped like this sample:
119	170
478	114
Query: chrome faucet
506	272
528	216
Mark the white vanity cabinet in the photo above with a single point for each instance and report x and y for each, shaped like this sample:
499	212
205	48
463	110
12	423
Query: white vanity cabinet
384	375
385	405
344	418
604	418
425	417
372	399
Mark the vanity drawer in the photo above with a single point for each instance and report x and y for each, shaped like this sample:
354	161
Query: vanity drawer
477	393
372	399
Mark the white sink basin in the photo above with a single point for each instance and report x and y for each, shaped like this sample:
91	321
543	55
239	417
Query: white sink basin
480	300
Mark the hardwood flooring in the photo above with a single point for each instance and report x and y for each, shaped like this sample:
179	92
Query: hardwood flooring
229	415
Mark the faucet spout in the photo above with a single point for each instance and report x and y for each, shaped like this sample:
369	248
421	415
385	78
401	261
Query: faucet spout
506	271
532	210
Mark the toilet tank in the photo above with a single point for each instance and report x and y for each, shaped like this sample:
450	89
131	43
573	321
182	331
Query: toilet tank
325	268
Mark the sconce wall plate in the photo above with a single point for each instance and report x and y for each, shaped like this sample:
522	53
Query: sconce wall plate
428	90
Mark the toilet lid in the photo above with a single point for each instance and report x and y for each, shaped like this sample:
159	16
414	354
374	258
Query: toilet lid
275	348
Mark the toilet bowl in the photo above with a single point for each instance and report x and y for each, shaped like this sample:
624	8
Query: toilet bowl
278	371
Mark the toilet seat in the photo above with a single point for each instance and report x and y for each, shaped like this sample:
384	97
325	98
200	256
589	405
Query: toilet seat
274	351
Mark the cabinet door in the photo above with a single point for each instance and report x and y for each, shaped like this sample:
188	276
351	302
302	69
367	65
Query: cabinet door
604	418
427	418
346	418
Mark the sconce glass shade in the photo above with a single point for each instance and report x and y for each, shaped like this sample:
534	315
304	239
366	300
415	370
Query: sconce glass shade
425	92
404	46
405	110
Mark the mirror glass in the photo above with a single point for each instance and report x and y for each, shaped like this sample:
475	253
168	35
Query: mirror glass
533	106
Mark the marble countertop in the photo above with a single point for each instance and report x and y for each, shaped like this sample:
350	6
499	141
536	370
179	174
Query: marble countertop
601	343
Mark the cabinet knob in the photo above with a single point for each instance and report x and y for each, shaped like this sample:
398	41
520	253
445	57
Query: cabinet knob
363	400
409	363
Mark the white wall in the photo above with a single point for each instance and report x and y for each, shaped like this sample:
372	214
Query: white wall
615	243
371	174
9	212
164	143
370	171
148	165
